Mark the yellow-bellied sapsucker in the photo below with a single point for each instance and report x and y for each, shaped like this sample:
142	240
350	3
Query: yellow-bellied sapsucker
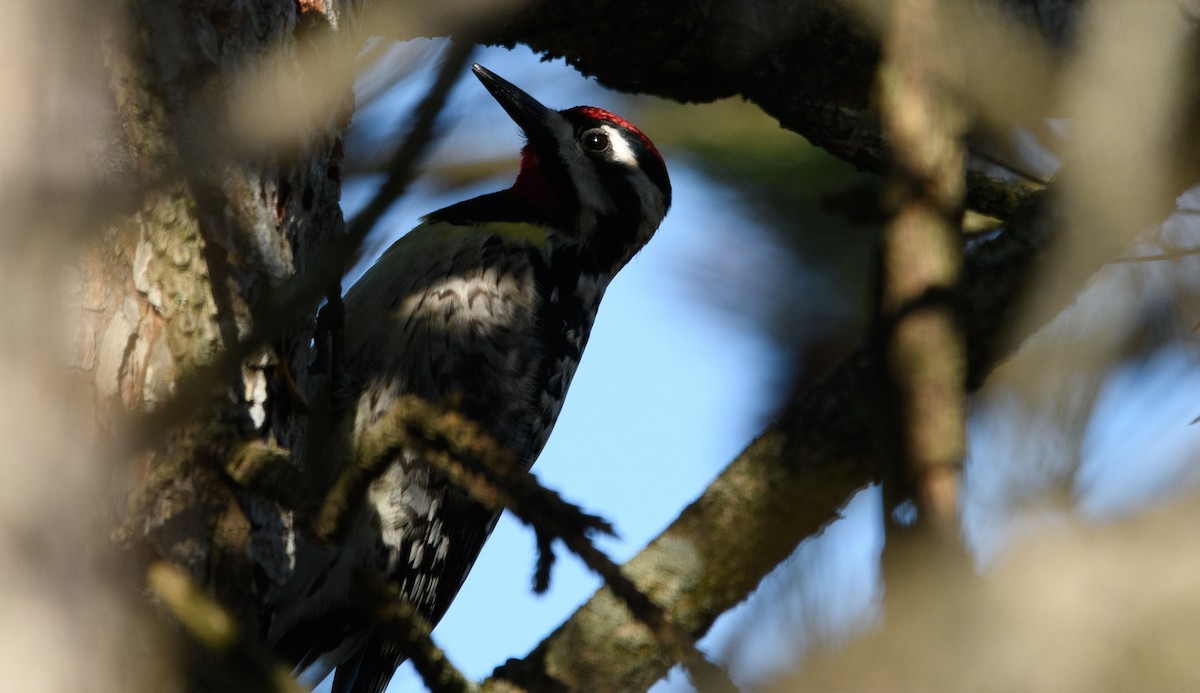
488	304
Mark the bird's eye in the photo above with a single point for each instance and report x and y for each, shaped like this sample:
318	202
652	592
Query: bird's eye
595	140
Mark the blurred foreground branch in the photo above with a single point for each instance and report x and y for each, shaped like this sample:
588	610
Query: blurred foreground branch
923	349
245	665
1075	608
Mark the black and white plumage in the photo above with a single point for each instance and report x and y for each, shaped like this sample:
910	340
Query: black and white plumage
489	304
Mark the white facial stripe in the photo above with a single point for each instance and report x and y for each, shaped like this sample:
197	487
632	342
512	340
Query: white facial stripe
621	150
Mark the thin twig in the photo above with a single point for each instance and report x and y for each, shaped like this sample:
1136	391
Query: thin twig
407	628
470	458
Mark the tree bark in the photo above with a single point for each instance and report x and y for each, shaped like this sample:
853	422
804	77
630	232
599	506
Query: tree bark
172	286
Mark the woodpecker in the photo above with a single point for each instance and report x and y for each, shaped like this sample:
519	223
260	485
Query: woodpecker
488	303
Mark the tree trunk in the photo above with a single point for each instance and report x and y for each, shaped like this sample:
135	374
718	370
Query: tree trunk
174	281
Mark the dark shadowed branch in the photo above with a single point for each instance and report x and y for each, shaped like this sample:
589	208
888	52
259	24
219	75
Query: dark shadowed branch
810	64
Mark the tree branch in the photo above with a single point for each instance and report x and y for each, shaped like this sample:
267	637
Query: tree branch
811	64
785	487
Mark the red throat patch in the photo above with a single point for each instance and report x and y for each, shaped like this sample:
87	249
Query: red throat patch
531	184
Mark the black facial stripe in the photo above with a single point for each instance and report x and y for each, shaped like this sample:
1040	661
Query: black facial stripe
615	232
654	169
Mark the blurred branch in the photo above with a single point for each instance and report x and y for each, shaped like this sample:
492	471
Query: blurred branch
404	625
402	168
924	351
468	456
216	630
268	470
1127	625
1130	93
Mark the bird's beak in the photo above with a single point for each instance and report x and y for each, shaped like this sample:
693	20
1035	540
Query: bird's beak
534	118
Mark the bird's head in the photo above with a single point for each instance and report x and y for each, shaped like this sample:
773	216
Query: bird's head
595	176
